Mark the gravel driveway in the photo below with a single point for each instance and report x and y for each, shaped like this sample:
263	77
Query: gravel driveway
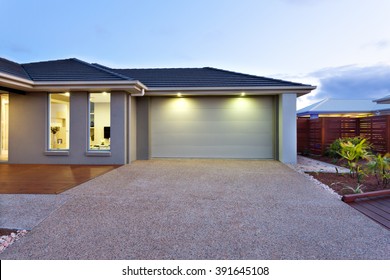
202	209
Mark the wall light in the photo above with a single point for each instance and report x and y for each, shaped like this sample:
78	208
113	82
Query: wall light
242	93
179	94
67	93
104	93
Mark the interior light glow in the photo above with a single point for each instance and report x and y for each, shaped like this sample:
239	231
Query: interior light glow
179	94
67	93
242	93
104	93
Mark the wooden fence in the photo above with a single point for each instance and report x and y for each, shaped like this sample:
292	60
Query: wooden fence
315	135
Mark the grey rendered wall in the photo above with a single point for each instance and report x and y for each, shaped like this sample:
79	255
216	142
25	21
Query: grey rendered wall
28	130
143	138
287	126
133	128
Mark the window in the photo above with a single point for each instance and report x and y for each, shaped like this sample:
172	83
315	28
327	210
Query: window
4	100
59	121
99	121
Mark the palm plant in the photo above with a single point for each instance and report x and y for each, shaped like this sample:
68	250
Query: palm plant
380	167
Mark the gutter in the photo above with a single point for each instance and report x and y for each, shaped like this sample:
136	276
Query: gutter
131	86
219	91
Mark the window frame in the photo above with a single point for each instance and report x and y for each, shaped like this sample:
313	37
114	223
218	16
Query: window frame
49	149
96	152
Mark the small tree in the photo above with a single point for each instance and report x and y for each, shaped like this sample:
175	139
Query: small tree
353	153
380	166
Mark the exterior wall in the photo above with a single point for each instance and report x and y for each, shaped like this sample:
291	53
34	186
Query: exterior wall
143	133
132	121
130	130
287	128
28	131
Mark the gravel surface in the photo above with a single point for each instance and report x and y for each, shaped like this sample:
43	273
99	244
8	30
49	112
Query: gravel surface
202	209
305	164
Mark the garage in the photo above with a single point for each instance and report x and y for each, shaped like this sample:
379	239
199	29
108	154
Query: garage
213	127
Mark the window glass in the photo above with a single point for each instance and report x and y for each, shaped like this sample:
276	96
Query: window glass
59	121
99	121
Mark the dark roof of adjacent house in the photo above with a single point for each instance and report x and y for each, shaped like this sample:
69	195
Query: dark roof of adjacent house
200	77
71	69
13	68
339	106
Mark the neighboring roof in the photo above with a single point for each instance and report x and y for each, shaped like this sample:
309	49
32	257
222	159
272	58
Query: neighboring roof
335	106
383	100
200	77
71	69
12	68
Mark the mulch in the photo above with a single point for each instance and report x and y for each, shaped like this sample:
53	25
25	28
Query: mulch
342	182
5	231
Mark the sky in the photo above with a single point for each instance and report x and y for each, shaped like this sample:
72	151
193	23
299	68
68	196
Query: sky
340	46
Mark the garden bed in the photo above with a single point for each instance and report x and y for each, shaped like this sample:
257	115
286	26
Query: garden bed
342	182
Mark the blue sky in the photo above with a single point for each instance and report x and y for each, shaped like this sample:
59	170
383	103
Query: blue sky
342	46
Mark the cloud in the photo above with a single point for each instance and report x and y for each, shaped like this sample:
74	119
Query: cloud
354	82
348	82
378	45
16	48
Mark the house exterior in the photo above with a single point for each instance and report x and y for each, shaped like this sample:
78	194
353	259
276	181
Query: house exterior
72	112
319	124
354	108
383	100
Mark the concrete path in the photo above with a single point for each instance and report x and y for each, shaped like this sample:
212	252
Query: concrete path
306	164
202	209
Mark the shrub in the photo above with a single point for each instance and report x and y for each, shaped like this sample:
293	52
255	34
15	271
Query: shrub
353	153
380	166
335	148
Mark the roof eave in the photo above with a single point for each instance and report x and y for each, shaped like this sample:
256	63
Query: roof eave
384	100
337	112
299	90
14	82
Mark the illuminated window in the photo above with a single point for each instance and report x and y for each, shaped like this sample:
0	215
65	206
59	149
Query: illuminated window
99	121
59	121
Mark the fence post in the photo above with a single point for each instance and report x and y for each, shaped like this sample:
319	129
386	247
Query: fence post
387	134
357	127
323	123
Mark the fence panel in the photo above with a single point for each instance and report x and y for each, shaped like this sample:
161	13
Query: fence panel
315	135
376	130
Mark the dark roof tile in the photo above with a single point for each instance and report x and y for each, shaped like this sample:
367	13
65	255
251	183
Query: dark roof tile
13	68
200	77
69	70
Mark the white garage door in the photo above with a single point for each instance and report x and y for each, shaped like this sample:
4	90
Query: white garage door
212	127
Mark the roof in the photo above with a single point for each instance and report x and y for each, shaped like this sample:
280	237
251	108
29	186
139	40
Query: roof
200	77
71	69
335	106
13	68
383	100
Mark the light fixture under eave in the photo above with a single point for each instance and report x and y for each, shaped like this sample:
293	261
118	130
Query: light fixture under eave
243	94
67	93
179	94
104	93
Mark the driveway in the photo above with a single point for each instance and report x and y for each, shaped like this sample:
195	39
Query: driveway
202	209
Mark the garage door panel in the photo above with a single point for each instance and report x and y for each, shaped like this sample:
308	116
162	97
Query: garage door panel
212	139
249	152
212	127
251	127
